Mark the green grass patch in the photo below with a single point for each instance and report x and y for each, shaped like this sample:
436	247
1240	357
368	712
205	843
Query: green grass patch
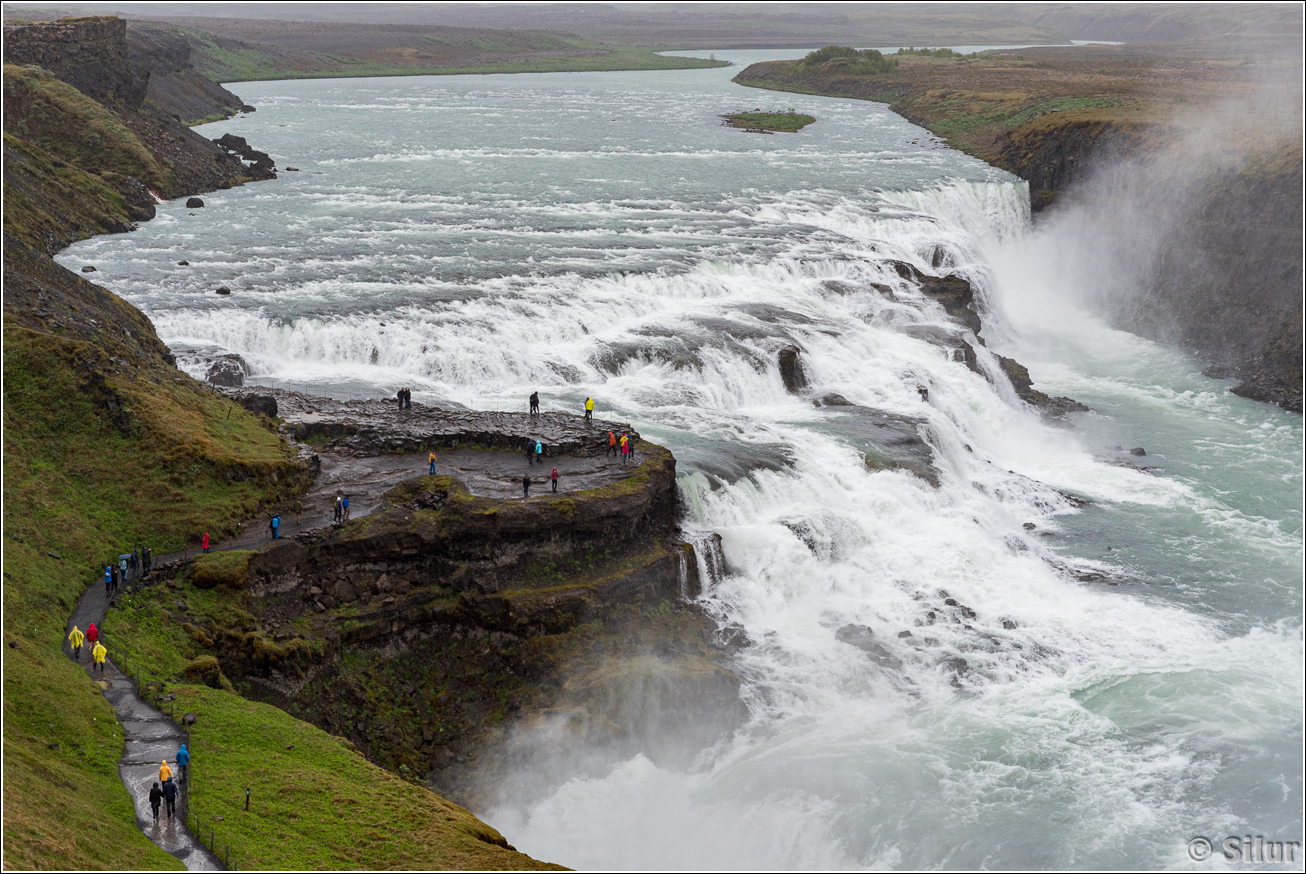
315	802
787	122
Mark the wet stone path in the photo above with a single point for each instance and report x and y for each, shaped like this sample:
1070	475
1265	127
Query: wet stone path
149	737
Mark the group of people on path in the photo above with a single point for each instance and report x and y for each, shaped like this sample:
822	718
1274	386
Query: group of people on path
127	565
91	637
168	791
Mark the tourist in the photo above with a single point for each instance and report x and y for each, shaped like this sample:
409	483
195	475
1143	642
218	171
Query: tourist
165	773
625	447
344	506
539	452
535	403
630	448
204	542
76	638
135	562
97	656
156	798
108	580
408	398
183	761
400	395
589	410
275	525
92	634
554	477
170	796
612	444
526	486
147	559
431	460
122	566
530	451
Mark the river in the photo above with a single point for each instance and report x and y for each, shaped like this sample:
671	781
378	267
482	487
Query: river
481	237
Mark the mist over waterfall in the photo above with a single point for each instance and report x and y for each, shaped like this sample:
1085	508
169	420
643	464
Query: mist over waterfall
1031	650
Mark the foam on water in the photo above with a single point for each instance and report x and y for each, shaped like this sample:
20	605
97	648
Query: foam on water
660	266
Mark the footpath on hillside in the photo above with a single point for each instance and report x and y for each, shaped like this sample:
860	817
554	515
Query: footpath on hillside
149	738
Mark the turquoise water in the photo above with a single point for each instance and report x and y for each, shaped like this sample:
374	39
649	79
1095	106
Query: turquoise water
478	238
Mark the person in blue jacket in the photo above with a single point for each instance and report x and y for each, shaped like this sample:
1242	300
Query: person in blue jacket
183	761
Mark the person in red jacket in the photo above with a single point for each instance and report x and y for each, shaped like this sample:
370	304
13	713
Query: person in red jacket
204	542
92	635
554	476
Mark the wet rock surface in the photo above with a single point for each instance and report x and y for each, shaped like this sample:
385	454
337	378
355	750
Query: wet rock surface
375	427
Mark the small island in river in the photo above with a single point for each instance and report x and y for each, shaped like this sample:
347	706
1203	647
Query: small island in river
769	122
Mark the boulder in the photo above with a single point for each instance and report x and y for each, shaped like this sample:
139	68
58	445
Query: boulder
228	370
863	638
204	669
194	203
1138	450
222	289
88	269
791	369
344	592
183	263
263	404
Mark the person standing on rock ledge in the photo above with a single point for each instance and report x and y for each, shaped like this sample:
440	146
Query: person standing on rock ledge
554	477
535	403
589	411
539	452
526	486
612	444
431	459
275	525
344	506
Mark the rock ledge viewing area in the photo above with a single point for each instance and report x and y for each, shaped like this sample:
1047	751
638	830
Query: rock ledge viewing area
363	448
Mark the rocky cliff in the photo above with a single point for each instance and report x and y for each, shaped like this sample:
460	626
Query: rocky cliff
1226	280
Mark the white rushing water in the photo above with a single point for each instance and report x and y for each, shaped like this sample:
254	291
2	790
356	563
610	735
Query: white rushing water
478	238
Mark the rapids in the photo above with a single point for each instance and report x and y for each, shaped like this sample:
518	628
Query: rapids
480	237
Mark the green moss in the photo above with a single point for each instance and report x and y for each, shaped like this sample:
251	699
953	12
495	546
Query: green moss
227	568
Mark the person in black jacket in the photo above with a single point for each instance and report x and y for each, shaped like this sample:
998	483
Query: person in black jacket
156	798
170	796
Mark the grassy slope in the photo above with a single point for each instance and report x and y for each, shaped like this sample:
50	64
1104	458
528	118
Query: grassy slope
76	487
107	446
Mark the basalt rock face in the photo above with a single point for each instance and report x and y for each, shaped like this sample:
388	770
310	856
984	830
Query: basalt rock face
89	53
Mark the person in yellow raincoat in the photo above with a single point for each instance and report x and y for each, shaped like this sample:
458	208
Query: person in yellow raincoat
76	639
431	459
98	655
165	773
589	409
